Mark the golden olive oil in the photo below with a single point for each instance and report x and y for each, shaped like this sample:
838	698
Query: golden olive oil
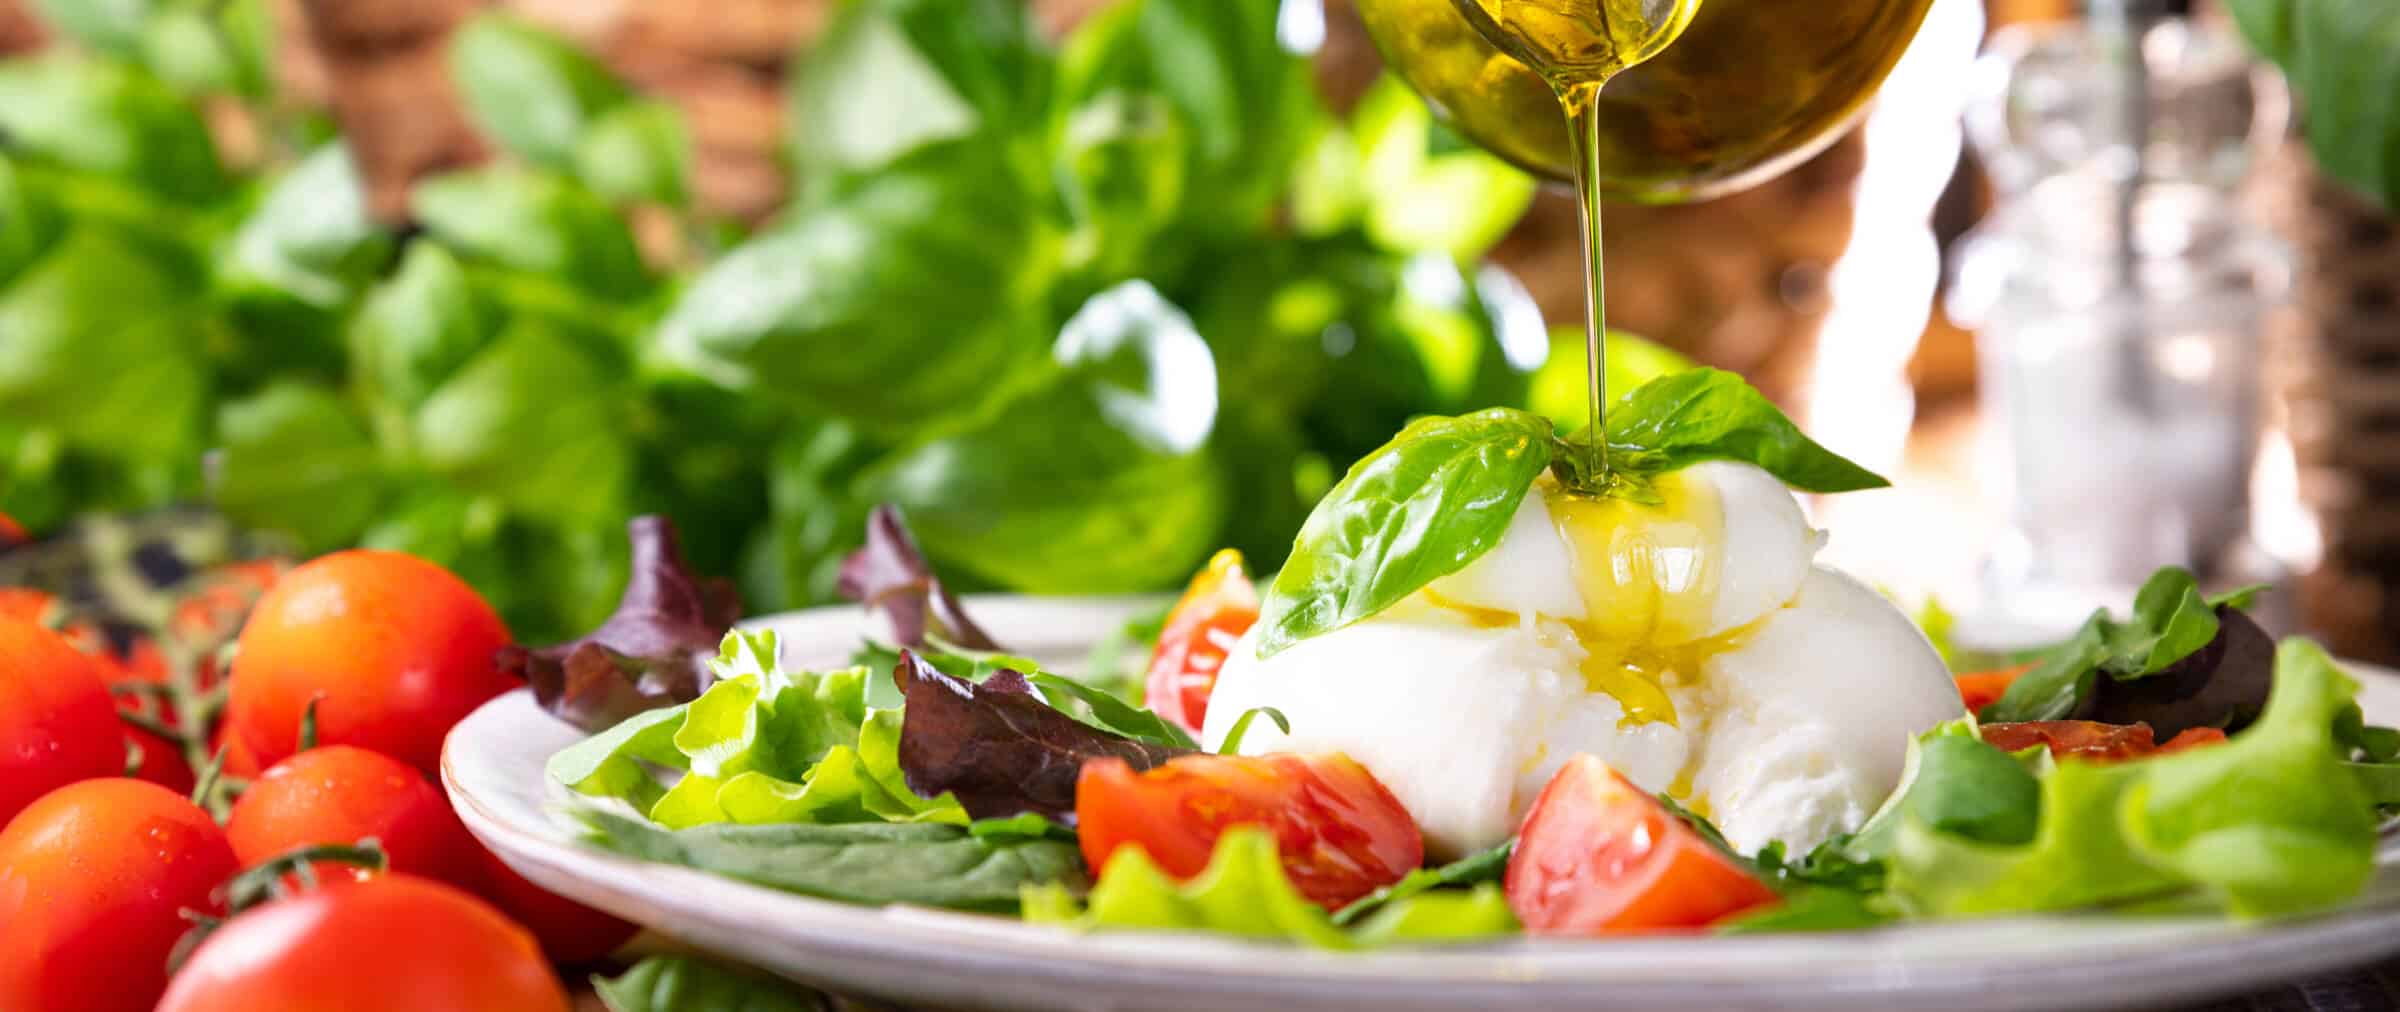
1578	47
1751	88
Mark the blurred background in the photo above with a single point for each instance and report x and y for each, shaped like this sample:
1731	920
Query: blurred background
1092	288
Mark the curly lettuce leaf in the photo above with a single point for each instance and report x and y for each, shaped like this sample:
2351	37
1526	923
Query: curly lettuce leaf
2273	822
760	747
1244	892
653	652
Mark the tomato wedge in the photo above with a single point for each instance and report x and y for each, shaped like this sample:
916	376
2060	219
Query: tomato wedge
1979	689
1598	856
2092	741
1341	833
1215	611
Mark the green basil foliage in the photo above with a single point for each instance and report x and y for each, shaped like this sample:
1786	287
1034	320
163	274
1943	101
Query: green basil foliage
2343	60
1087	306
1435	498
1706	414
2171	620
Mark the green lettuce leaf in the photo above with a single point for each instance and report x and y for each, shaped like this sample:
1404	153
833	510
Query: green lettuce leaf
2273	822
1243	891
762	746
692	984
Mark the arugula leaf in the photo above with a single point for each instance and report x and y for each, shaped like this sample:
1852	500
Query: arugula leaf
2270	823
691	984
1708	414
530	90
931	864
1471	870
294	459
1435	498
2171	622
1244	891
1232	745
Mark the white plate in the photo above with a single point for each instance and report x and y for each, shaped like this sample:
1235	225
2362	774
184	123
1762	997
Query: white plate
493	767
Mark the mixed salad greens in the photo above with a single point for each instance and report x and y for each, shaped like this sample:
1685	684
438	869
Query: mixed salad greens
941	770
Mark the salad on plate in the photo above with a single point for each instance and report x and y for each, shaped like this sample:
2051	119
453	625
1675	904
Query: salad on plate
1510	682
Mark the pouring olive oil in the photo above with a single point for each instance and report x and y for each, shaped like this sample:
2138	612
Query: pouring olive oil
1578	46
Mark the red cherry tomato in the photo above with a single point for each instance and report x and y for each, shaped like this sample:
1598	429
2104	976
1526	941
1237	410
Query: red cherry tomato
1979	689
12	533
1597	856
392	943
1341	834
57	724
341	795
395	650
1219	607
92	879
569	932
2091	741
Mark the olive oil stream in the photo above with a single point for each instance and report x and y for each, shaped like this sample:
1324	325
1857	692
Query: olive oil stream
1577	46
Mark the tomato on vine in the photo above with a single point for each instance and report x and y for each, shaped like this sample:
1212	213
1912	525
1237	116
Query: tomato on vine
57	724
393	649
389	943
93	880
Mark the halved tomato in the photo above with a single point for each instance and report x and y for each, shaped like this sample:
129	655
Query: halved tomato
1979	689
2093	741
1340	832
1215	611
1598	856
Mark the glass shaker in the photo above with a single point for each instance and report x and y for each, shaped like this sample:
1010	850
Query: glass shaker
2118	292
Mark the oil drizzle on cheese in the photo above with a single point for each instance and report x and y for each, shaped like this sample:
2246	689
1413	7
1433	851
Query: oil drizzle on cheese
1647	573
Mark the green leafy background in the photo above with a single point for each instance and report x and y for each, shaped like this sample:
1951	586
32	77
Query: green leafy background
1087	307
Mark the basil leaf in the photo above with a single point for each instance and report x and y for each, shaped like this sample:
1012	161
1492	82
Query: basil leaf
1435	498
311	236
30	221
534	223
417	328
295	460
692	984
1709	414
532	421
100	342
893	78
2340	62
1099	479
932	864
107	26
110	120
530	90
638	152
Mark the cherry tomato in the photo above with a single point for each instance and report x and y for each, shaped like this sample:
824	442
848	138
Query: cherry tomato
569	932
12	533
392	943
29	605
57	725
1340	832
240	762
1219	607
1598	856
395	649
92	879
1979	689
2092	741
341	795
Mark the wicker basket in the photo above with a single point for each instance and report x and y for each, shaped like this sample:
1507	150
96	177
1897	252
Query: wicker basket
2336	359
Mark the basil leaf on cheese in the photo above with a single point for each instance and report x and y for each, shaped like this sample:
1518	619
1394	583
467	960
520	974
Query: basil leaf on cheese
1429	502
1700	415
